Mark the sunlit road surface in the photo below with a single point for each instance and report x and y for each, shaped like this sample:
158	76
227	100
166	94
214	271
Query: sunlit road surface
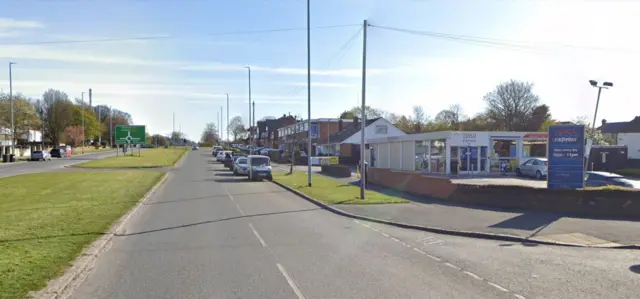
44	166
207	234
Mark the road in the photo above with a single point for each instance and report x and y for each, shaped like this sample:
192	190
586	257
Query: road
207	234
56	163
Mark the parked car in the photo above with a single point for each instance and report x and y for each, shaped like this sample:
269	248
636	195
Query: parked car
220	155
228	160
194	148
259	167
231	164
535	167
215	150
601	179
240	166
58	153
40	155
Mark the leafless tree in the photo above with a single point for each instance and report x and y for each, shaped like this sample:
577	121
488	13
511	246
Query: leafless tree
511	104
451	117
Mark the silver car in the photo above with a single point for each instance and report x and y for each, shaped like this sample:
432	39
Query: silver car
41	155
240	167
535	167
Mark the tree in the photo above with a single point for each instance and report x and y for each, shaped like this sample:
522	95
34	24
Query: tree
74	135
511	104
176	137
25	116
92	128
210	135
419	119
451	118
538	117
56	111
404	123
236	127
589	133
357	112
159	140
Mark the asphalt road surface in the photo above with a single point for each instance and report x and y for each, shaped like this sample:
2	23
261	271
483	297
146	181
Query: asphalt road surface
12	169
207	234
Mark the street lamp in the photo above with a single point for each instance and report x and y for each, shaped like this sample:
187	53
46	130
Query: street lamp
82	99
604	85
13	128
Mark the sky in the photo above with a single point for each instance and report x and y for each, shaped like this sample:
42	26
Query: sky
206	45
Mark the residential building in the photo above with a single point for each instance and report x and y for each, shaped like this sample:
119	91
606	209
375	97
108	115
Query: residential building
268	133
346	143
624	133
321	130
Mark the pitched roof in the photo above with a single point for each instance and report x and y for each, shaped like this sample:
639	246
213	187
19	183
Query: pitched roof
349	131
613	127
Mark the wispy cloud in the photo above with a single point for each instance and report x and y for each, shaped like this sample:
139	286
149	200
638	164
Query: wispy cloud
322	84
6	24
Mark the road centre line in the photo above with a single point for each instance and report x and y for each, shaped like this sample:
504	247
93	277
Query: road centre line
264	244
292	284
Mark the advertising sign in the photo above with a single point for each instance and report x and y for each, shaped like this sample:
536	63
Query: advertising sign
314	131
566	157
130	135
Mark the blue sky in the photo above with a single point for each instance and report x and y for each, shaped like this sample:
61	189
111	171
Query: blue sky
190	74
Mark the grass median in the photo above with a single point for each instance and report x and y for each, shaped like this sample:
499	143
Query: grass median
332	191
157	157
48	218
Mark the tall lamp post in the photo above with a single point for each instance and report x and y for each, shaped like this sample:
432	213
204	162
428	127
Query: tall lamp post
82	99
13	128
604	85
309	151
228	118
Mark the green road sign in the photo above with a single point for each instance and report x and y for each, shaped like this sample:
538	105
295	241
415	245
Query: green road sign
131	135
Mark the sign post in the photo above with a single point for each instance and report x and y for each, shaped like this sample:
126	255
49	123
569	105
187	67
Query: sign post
130	135
566	157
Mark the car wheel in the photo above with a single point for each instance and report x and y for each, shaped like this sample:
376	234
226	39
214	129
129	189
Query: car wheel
518	172
270	178
538	175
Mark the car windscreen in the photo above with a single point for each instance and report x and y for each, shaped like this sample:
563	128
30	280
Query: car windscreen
260	161
37	152
242	161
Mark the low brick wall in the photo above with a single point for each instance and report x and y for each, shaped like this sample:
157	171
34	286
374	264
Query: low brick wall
339	171
609	203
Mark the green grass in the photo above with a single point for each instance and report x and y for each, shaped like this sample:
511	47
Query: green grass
332	191
158	157
46	220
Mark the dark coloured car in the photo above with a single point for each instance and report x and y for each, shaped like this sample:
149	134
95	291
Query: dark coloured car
601	179
57	153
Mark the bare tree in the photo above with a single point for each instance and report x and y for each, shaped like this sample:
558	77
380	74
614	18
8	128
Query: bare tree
56	111
451	117
419	119
210	135
511	104
236	126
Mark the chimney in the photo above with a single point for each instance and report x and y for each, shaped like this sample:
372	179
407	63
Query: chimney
604	122
356	121
340	124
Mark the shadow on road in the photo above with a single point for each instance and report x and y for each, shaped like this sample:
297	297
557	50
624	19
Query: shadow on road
225	174
211	221
635	269
528	221
233	180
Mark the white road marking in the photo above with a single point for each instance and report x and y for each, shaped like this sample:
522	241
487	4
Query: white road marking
519	296
407	245
434	242
240	209
472	275
392	238
375	230
418	250
497	287
384	235
452	266
433	257
255	232
292	284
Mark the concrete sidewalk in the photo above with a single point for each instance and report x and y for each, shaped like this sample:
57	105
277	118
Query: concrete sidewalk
531	225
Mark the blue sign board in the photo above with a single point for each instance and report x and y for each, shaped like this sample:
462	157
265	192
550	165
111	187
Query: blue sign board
566	157
314	131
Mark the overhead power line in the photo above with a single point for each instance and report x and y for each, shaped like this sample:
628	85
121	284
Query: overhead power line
498	43
160	37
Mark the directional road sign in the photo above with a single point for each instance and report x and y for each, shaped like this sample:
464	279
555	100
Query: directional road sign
131	135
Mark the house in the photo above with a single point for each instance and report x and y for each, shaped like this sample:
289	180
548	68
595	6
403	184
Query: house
321	130
346	143
268	130
624	133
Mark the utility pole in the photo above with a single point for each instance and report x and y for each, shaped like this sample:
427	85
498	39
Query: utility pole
173	132
220	129
83	137
13	128
229	140
110	126
309	151
250	137
363	121
100	122
253	120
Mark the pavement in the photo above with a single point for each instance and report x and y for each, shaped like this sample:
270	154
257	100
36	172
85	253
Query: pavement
208	234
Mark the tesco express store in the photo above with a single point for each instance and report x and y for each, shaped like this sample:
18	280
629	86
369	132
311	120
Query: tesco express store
452	152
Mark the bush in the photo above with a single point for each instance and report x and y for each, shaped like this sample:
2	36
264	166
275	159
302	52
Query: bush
340	171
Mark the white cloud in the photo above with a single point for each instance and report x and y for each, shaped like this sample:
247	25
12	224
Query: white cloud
6	24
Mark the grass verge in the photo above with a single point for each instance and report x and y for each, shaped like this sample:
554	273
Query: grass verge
48	218
157	157
331	191
89	150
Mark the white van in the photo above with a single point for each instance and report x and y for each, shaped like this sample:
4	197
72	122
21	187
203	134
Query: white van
259	167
